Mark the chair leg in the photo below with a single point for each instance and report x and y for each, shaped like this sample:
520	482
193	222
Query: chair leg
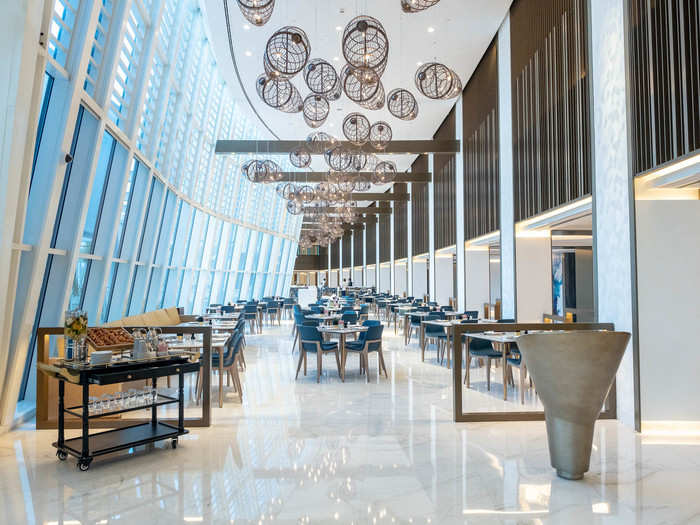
523	371
382	363
301	358
467	378
304	361
237	378
337	360
366	356
319	365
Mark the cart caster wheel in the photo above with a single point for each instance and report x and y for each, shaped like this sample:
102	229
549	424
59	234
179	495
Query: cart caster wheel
61	454
83	465
173	443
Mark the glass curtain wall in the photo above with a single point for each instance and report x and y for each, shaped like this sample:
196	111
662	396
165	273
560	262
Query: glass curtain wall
146	215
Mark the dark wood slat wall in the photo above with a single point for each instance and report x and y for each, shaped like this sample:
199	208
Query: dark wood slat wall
664	60
335	254
358	247
481	159
347	250
371	240
551	124
384	236
445	187
400	223
419	208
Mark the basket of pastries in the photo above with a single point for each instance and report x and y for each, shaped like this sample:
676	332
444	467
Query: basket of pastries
110	338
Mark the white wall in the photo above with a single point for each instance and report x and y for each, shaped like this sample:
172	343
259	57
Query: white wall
533	277
668	288
371	277
477	268
357	277
385	278
334	279
420	278
444	276
401	276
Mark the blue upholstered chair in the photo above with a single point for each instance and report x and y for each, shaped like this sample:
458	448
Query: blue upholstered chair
349	317
250	314
371	342
310	340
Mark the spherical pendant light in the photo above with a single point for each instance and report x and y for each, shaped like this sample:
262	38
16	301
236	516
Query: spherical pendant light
305	193
320	76
257	12
377	101
287	51
289	191
300	157
358	161
295	207
295	104
316	109
437	81
317	140
414	6
362	184
255	171
380	135
385	172
338	158
356	128
360	84
402	104
273	173
274	91
365	43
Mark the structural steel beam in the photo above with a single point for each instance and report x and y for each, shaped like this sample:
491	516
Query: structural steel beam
276	147
336	211
321	176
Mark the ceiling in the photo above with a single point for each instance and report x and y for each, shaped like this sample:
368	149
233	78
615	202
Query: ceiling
454	32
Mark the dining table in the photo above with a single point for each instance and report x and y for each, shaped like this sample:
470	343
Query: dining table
407	324
326	319
342	333
501	342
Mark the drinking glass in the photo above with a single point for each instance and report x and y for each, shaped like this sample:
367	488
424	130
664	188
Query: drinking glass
94	405
106	402
154	394
118	401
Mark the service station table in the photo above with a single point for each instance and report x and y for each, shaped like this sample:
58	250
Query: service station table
88	446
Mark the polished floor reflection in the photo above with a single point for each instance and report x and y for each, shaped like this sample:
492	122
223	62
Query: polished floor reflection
383	452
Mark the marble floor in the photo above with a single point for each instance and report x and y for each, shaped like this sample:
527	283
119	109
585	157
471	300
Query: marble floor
353	452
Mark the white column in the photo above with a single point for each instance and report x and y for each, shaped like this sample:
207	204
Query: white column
340	262
328	277
613	225
377	266
364	255
409	250
476	262
459	207
431	227
392	270
351	275
505	139
533	267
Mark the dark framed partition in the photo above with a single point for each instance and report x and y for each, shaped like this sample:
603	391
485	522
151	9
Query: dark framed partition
335	254
400	223
481	162
419	208
371	239
445	187
664	69
357	244
347	250
384	235
550	95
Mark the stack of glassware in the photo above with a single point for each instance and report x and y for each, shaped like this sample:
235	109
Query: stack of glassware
133	398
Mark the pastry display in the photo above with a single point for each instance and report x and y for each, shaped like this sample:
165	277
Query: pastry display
111	338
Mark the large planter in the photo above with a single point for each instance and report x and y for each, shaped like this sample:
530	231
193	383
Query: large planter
572	372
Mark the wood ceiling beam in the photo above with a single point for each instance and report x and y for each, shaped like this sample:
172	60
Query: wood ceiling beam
395	147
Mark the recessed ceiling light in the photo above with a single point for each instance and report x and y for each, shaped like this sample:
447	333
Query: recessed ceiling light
332	125
431	29
338	28
419	63
248	54
336	59
246	27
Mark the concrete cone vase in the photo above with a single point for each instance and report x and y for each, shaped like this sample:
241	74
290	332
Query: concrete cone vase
572	372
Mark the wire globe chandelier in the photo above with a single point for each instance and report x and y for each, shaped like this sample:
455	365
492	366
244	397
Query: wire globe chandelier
402	104
257	12
287	52
384	173
356	128
380	135
365	43
320	77
316	109
437	81
300	157
415	6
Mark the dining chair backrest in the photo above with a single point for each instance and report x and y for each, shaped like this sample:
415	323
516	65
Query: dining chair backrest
506	321
468	321
310	333
440	314
447	308
372	322
310	322
373	337
364	309
423	308
315	309
349	317
472	314
228	309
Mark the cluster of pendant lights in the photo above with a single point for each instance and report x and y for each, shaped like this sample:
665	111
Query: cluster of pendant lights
365	47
